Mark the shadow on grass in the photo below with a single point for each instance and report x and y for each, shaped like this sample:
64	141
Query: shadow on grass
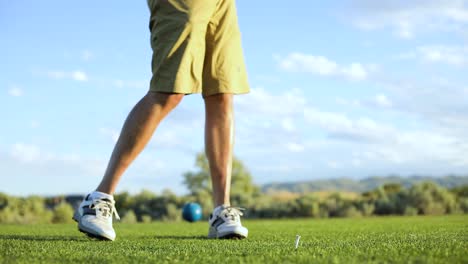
41	238
177	237
84	238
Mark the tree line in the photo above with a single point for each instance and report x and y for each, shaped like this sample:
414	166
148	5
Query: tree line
425	198
361	185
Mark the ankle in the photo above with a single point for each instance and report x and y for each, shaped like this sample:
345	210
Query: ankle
220	207
99	195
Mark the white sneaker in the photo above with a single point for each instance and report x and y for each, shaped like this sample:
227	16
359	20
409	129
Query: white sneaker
225	223
94	216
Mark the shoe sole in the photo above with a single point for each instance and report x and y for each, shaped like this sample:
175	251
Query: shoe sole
228	235
233	236
91	235
88	233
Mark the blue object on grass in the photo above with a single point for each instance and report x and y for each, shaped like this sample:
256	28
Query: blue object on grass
192	212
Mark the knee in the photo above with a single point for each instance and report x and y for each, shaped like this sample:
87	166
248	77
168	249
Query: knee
172	100
220	100
167	100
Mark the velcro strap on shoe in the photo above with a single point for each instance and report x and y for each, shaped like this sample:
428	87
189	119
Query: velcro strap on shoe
88	211
217	222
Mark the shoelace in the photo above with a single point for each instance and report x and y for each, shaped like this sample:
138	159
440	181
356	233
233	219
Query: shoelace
233	212
104	206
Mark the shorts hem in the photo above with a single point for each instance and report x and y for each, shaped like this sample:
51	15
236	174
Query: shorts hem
213	92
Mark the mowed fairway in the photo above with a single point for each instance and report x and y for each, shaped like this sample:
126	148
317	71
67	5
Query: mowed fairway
441	239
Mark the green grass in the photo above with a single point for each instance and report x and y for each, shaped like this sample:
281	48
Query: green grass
380	240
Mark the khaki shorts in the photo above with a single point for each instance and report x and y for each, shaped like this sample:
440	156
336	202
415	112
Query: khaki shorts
196	47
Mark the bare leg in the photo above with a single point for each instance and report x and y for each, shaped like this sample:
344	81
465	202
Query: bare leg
219	137
136	132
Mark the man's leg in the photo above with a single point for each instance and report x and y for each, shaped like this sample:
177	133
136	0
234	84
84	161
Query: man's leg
219	137
94	215
136	132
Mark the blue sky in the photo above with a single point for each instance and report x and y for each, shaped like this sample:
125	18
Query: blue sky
351	88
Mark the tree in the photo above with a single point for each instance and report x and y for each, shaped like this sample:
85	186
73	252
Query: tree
142	204
199	181
307	206
242	188
129	218
62	213
430	198
29	210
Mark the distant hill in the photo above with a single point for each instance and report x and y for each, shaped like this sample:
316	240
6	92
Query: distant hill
366	184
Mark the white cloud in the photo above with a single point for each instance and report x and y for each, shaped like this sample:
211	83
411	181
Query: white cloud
86	55
348	102
383	101
455	55
356	162
288	125
437	103
15	91
382	143
263	102
134	84
413	147
355	71
385	143
299	62
328	120
309	63
299	139
270	79
32	154
272	122
119	83
77	75
452	55
415	132
380	100
168	139
57	74
35	170
431	126
295	147
406	56
339	126
333	164
110	133
26	152
434	99
35	124
407	18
